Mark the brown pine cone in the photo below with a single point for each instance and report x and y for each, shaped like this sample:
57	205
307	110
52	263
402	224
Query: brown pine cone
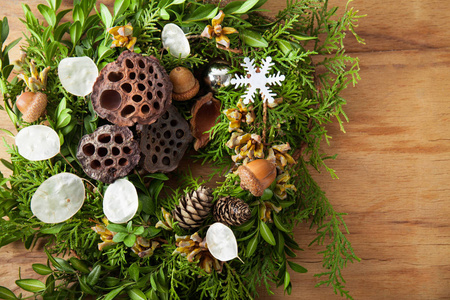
231	211
193	208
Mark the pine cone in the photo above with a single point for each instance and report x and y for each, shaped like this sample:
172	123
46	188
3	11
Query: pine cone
193	208
231	211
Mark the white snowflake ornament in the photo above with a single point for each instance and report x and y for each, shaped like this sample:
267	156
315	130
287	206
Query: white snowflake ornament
258	79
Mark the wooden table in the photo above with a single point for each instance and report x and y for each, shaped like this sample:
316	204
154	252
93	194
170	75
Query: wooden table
393	161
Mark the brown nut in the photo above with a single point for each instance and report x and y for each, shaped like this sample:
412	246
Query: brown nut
204	116
32	105
108	153
257	175
164	142
133	89
185	86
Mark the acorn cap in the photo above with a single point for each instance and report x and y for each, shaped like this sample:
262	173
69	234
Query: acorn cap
257	175
185	86
32	105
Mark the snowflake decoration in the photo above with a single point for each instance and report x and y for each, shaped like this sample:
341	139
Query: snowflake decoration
258	79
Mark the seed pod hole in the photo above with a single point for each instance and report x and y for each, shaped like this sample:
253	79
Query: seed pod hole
179	133
141	64
104	138
129	64
127	150
115	151
132	76
88	149
145	109
166	160
102	152
137	98
115	76
167	134
142	76
110	100
123	162
156	105
108	162
126	87
95	164
127	110
173	123
118	139
141	87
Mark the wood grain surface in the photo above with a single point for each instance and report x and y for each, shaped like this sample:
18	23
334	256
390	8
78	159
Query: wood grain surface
393	161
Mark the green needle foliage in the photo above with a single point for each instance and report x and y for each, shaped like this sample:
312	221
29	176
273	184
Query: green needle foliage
306	43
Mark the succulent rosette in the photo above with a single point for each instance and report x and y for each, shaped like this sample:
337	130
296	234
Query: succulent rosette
111	153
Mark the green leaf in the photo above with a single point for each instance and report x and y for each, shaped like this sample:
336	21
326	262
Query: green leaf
6	294
280	243
159	176
120	237
291	243
79	265
133	271
136	294
203	12
139	230
48	14
31	285
253	38
5	30
7	164
153	231
176	2
278	223
52	230
246	226
41	269
164	14
148	205
111	295
267	195
252	245
246	6
106	16
303	37
285	46
287	280
130	227
54	4
10	46
289	252
120	6
296	267
63	120
94	275
85	288
75	32
231	7
266	233
116	228
63	265
129	240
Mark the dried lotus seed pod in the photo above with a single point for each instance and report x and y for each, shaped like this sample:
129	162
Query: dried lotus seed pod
133	89
108	153
163	143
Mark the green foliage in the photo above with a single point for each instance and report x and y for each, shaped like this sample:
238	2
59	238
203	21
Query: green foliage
304	38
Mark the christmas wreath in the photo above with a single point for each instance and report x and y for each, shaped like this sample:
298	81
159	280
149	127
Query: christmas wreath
107	106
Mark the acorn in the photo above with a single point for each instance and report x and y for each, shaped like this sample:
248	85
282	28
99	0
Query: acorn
32	105
185	86
257	175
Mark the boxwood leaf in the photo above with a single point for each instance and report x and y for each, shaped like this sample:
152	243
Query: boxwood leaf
296	267
31	285
253	38
6	294
252	245
41	269
266	233
94	275
136	294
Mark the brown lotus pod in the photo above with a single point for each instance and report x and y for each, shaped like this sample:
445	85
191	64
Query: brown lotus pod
32	105
204	116
185	86
133	89
257	175
108	153
164	142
